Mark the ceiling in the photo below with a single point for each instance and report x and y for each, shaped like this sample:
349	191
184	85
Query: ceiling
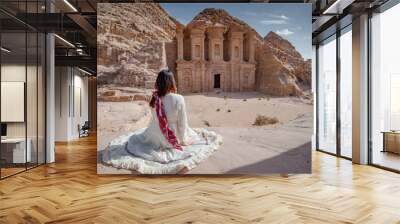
75	22
331	15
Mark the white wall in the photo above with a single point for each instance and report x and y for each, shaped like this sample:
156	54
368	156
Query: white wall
70	83
13	101
62	82
16	73
79	117
33	126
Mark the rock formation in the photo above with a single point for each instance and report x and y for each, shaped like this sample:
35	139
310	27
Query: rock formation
135	42
132	41
212	16
282	71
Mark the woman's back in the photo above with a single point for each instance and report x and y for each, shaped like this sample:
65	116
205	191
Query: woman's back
172	104
175	110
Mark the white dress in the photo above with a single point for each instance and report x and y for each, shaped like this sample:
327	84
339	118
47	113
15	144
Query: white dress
147	151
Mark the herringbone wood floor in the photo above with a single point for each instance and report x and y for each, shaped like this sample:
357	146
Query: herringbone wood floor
70	191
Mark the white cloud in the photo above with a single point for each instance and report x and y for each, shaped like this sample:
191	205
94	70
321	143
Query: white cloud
283	17
284	32
273	21
271	16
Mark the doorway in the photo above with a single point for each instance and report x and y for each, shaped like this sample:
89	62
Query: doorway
217	81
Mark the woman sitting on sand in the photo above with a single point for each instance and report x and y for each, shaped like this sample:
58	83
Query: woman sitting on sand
168	145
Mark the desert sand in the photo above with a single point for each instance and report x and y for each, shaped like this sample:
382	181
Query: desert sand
283	147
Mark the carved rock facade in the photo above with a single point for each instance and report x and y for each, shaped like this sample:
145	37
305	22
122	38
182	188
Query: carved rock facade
215	56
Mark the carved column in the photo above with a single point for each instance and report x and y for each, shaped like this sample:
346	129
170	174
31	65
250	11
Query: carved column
252	48
197	39
179	38
197	36
216	43
236	47
236	56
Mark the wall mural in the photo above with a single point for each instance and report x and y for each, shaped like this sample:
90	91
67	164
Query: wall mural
211	88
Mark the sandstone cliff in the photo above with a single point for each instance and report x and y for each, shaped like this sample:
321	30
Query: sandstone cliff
135	42
281	70
212	16
132	43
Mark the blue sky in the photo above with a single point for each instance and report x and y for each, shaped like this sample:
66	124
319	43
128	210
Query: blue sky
291	21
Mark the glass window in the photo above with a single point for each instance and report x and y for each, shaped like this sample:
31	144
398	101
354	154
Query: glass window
22	89
327	95
394	102
346	92
13	88
385	89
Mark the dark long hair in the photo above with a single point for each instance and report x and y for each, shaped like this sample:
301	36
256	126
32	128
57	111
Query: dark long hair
165	83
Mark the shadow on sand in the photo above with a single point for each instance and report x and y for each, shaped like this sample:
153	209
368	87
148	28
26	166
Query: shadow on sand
287	162
294	161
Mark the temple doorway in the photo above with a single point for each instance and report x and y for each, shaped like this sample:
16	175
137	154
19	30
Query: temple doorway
217	81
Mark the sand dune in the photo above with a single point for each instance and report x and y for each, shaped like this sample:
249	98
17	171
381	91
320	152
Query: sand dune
279	148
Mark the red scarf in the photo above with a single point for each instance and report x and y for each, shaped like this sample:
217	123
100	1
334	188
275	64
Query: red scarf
163	122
